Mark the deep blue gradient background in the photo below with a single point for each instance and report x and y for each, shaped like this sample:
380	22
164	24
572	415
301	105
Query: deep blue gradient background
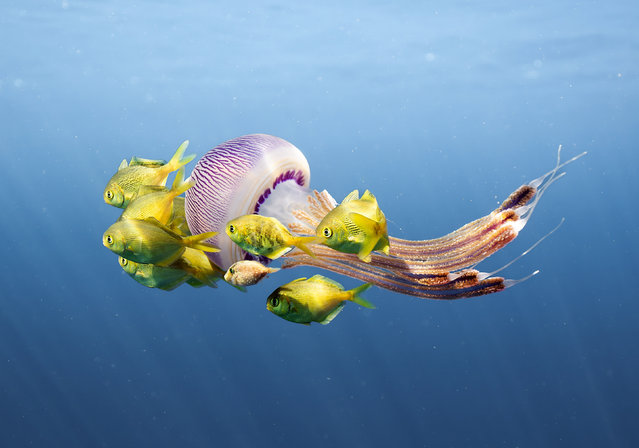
442	109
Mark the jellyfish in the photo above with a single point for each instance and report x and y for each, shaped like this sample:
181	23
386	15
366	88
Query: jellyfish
267	175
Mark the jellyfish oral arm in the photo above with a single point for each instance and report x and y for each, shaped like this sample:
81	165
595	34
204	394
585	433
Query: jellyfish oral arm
437	268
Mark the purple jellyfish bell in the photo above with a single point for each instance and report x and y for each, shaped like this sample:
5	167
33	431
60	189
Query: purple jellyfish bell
255	173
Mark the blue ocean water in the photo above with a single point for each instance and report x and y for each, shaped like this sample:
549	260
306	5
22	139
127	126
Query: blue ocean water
441	108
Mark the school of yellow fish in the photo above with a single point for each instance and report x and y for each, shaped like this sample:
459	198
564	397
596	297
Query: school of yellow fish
156	248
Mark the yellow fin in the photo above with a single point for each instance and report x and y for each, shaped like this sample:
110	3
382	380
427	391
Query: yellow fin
196	241
195	282
355	292
277	253
327	320
177	161
179	186
146	162
169	261
301	241
321	279
368	196
370	241
352	196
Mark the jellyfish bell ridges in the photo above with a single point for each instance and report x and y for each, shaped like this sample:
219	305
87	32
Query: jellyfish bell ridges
255	173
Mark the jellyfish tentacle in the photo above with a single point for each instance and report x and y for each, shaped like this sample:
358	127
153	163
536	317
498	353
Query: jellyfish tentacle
440	268
486	286
527	251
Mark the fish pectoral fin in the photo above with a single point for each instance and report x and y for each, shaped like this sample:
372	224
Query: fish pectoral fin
371	238
385	247
366	248
363	222
352	196
327	320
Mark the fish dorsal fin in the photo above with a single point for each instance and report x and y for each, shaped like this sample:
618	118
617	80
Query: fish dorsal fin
155	222
123	165
327	320
146	162
317	278
368	197
352	196
301	279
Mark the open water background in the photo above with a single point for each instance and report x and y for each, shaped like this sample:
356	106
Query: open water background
440	108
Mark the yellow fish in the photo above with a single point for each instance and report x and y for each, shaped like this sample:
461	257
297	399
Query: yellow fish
247	273
356	226
124	184
157	203
153	276
199	266
262	235
147	241
317	299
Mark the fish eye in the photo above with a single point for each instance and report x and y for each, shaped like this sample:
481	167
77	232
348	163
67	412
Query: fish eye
275	301
231	228
110	194
232	271
109	239
124	261
327	232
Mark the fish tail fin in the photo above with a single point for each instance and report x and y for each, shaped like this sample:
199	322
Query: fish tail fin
177	161
197	242
179	186
355	296
301	243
